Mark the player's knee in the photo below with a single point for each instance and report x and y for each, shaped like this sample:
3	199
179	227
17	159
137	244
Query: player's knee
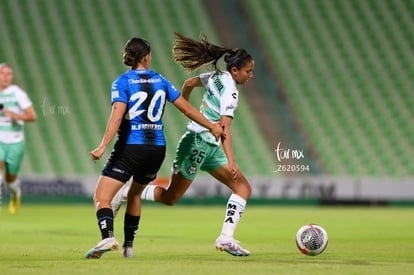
101	202
243	189
97	203
170	200
247	190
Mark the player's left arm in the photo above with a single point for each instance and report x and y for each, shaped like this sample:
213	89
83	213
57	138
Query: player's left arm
189	85
227	145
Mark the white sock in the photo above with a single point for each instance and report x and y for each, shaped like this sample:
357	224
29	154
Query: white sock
234	211
148	193
14	188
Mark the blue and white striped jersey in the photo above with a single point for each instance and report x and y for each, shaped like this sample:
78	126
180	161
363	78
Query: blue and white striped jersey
145	92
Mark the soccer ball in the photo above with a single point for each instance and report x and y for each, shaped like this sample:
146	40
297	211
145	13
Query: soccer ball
311	239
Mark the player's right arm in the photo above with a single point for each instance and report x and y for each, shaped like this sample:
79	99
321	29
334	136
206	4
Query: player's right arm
192	113
28	115
114	121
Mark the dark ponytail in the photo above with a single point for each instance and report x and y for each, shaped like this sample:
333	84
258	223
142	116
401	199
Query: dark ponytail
192	54
135	49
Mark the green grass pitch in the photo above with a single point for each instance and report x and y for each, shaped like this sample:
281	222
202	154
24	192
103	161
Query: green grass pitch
53	238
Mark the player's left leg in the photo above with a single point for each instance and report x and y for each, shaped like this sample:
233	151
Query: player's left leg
1	178
236	204
132	217
13	185
145	172
12	162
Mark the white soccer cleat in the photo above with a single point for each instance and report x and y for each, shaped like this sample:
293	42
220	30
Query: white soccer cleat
232	247
103	246
127	252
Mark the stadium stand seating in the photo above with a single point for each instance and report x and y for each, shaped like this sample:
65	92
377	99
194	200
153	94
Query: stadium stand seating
345	66
67	53
347	70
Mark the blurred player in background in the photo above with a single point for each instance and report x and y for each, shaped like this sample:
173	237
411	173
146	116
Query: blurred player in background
138	100
197	149
15	109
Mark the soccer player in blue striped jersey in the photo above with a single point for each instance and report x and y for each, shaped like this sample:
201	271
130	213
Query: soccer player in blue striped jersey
138	101
197	149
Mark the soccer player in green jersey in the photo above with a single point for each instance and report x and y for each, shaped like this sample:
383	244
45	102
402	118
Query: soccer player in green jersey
198	149
15	109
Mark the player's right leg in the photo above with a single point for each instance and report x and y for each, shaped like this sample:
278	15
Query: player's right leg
107	244
2	157
169	196
1	184
132	217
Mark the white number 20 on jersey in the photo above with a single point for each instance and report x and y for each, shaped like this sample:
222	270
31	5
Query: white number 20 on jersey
152	114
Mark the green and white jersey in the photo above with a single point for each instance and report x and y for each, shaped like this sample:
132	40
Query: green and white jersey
219	99
16	100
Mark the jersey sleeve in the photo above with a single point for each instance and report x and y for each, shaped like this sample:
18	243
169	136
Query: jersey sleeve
204	77
229	99
172	92
23	99
118	91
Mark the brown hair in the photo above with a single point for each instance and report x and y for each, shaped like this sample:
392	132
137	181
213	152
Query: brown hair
135	49
193	54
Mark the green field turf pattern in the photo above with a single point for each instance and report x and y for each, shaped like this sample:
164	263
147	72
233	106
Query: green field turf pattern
52	239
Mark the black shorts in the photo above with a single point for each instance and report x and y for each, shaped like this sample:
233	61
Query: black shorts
140	161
